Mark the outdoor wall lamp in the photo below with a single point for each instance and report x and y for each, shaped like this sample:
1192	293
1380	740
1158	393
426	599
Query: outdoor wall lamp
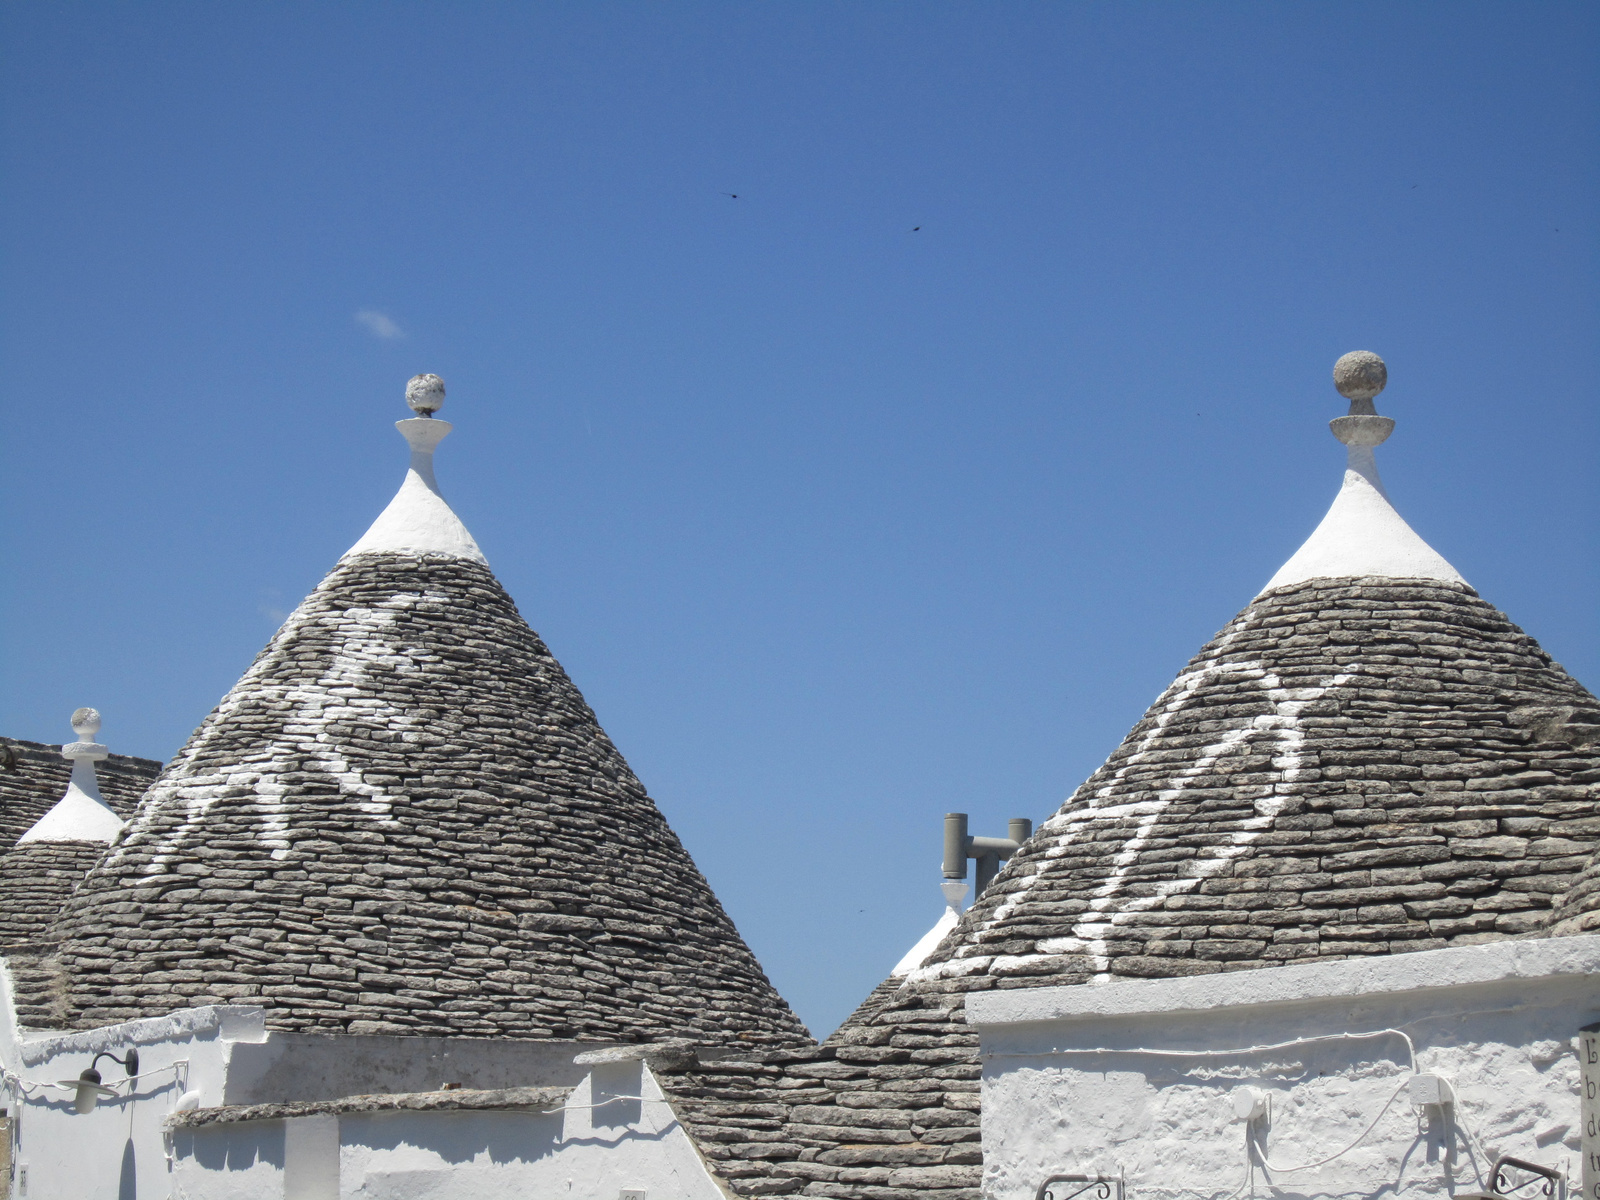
88	1087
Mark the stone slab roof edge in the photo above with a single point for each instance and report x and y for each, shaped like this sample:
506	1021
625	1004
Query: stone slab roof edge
537	1099
1424	970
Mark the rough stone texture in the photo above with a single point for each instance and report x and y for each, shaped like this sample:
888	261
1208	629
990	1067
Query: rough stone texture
36	880
405	819
1351	767
456	1100
869	1007
886	1110
1360	375
1579	910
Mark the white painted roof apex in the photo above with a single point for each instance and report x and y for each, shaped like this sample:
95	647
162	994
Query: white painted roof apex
1362	534
953	890
417	520
81	815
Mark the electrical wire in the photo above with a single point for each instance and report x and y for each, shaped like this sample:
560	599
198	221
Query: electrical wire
1411	1049
25	1086
602	1104
1249	1166
28	1086
1250	1159
1361	1137
1483	1159
171	1066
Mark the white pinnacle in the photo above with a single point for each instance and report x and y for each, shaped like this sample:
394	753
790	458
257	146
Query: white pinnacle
418	521
1362	534
81	815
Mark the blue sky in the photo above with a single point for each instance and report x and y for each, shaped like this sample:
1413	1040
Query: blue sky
839	526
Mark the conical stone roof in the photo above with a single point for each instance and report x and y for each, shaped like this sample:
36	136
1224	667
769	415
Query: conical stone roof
404	818
1348	768
1369	758
1364	761
1352	767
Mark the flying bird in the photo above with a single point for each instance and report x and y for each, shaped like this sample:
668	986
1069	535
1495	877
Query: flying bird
914	228
735	195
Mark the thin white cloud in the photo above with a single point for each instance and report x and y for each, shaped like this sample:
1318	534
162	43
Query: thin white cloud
380	325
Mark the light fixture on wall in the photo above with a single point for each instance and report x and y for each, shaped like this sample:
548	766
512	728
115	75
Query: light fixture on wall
88	1087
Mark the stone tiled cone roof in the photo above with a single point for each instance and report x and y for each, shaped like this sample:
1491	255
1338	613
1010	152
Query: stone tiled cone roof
1351	767
1579	910
404	818
887	1109
36	880
37	877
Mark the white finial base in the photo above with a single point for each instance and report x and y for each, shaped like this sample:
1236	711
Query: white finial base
81	815
418	521
1362	535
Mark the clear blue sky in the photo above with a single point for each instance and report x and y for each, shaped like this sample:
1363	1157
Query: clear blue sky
838	525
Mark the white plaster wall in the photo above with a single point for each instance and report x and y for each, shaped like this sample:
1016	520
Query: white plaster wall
1166	1122
580	1152
116	1152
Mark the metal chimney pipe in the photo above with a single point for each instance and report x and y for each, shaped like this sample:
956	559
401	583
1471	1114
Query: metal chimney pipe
956	842
988	868
1020	829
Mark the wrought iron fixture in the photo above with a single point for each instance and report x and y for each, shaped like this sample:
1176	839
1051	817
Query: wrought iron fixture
1504	1187
88	1088
1500	1184
1105	1187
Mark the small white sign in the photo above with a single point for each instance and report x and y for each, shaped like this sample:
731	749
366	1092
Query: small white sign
631	1194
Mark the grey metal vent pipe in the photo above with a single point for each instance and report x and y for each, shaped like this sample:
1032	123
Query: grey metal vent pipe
989	852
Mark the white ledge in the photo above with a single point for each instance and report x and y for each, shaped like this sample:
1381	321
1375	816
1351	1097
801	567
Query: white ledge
1424	970
230	1022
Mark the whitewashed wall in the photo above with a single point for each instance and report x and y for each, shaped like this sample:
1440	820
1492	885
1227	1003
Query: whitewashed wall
1498	1019
118	1151
581	1152
224	1055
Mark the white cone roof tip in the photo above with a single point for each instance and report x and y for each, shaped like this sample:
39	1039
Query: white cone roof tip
418	521
918	954
1362	534
81	815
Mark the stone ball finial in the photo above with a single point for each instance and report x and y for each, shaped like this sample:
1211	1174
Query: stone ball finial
86	723
1360	375
425	394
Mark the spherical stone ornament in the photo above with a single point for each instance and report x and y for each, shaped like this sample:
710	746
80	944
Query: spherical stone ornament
1360	375
425	394
86	723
